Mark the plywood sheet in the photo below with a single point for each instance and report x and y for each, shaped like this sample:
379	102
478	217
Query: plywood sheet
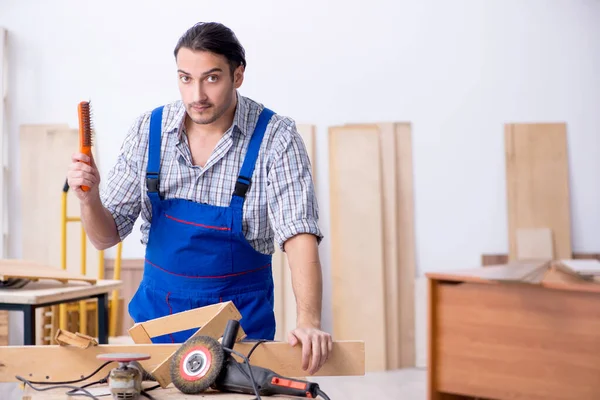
357	258
537	178
285	301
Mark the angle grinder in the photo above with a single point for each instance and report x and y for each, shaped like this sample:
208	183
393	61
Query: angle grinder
125	381
203	363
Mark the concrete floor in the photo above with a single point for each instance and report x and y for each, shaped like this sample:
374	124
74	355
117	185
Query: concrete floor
406	384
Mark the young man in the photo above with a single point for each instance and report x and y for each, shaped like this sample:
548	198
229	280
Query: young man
217	178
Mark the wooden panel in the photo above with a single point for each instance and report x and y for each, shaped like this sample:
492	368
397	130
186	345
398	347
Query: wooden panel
285	301
357	264
132	271
346	359
520	341
495	259
534	244
537	178
390	219
406	245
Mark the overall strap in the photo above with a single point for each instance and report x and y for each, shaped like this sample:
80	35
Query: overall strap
154	142
244	180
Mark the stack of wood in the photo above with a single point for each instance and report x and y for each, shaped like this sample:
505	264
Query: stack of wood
372	240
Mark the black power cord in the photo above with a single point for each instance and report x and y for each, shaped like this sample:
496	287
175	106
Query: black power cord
75	389
246	360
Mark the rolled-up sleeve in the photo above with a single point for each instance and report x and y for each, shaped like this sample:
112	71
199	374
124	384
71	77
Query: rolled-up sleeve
121	195
293	206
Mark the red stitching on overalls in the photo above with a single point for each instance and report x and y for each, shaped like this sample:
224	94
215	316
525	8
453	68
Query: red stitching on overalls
217	228
209	277
170	313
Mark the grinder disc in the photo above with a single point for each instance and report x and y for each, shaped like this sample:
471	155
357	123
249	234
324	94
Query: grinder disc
196	365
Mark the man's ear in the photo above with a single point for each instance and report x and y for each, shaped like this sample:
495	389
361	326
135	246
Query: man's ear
238	76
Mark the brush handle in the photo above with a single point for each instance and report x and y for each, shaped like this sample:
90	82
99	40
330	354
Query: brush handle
88	152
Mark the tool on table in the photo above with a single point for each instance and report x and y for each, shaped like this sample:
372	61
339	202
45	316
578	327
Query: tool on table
202	363
85	131
125	381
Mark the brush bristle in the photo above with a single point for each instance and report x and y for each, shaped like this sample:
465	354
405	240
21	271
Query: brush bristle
198	346
85	119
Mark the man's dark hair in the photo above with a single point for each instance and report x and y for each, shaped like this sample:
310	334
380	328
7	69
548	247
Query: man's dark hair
215	38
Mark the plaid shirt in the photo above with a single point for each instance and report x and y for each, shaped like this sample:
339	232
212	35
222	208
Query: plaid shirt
280	203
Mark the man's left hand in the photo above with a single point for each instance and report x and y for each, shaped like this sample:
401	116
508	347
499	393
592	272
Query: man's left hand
315	342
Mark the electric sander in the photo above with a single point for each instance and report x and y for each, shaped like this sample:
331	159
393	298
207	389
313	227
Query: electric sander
125	381
203	363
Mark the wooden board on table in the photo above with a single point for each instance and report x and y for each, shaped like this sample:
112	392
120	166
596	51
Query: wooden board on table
16	268
357	257
537	179
285	301
69	362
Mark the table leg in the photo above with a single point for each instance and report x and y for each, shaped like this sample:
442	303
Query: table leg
28	325
102	318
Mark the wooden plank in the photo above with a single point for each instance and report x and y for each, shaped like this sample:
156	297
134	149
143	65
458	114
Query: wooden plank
496	259
399	242
534	244
68	362
357	261
17	268
50	291
537	179
406	245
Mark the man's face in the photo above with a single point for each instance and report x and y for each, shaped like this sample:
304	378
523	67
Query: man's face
206	85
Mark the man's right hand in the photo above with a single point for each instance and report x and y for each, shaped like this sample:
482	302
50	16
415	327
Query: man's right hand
82	174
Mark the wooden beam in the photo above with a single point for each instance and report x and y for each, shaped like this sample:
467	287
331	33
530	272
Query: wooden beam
181	321
61	363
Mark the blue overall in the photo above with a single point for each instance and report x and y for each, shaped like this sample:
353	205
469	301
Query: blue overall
197	254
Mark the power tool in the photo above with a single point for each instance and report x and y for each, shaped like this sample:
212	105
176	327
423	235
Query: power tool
125	381
203	363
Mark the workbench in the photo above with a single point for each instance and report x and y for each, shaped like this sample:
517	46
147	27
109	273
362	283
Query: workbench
499	339
45	293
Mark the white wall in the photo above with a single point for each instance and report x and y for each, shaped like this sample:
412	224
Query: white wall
458	70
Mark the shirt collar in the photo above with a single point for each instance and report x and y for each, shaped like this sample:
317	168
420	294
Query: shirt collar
240	118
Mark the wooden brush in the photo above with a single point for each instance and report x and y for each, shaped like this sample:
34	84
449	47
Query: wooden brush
85	132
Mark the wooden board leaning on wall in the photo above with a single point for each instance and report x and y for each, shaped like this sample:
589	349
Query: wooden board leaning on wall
537	183
372	240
